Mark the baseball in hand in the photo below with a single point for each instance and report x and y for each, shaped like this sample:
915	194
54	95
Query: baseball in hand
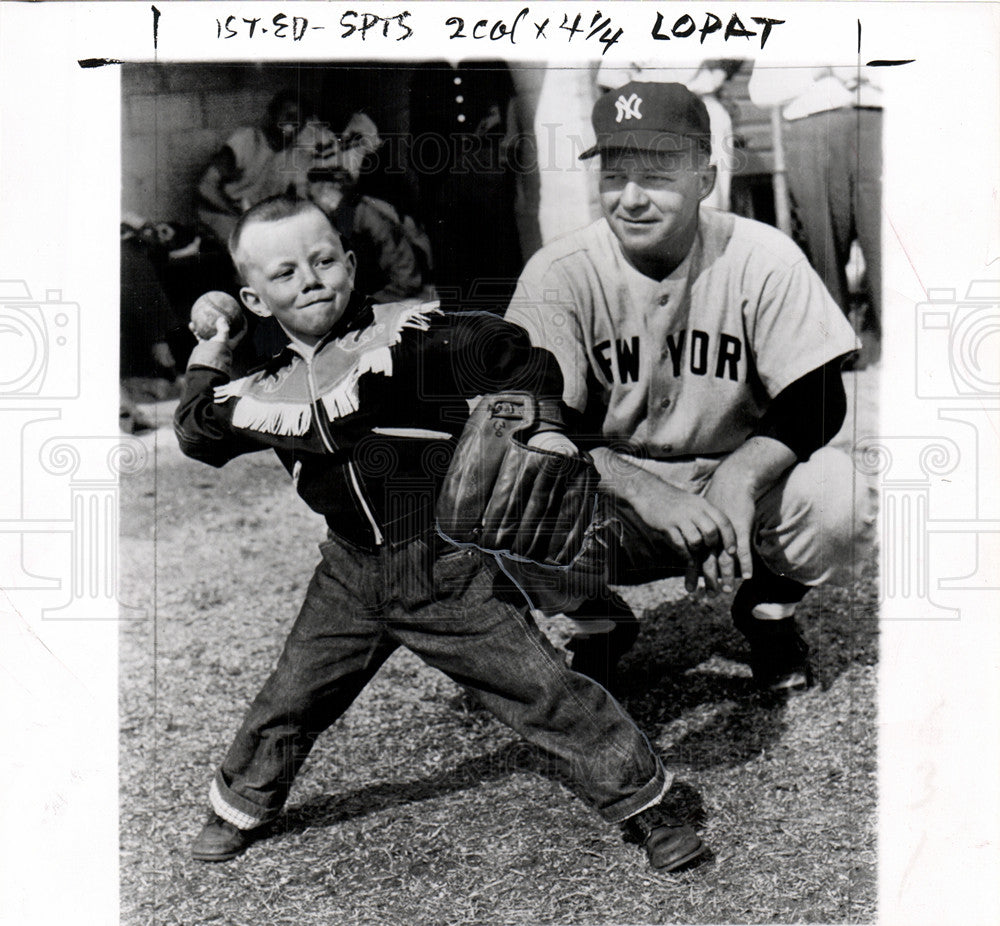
206	311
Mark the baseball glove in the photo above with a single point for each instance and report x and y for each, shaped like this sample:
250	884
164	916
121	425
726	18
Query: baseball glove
504	496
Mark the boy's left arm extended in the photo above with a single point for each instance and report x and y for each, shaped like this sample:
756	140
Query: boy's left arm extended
478	353
515	485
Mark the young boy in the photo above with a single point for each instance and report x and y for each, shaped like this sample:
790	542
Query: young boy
361	408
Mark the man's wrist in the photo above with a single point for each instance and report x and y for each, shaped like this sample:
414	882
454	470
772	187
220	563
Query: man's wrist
215	354
756	466
624	479
614	472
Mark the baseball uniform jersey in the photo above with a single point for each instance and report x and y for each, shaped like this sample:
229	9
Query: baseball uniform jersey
686	365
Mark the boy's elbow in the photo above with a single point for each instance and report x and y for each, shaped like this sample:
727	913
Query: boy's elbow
198	447
200	451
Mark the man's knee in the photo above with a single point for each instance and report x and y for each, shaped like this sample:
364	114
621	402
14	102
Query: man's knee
826	490
817	527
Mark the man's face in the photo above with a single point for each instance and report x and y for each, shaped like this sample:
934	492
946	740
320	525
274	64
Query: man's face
651	200
296	269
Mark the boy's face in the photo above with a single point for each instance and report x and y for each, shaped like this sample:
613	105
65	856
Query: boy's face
296	269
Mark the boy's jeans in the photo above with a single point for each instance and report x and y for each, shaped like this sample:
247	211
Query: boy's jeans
359	607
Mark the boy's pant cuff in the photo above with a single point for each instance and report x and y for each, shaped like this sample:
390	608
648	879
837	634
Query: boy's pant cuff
649	795
235	809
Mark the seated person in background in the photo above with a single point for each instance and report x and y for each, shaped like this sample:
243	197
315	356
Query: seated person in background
146	318
393	257
247	169
391	261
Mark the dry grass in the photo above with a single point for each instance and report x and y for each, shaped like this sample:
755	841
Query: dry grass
416	808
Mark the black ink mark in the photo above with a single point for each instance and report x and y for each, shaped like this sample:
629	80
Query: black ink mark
97	62
156	26
767	23
859	36
685	26
888	62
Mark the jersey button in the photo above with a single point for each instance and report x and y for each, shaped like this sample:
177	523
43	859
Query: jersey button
667	448
664	300
460	117
458	81
460	99
664	403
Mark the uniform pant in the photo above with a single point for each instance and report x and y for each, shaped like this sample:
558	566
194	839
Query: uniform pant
834	164
359	607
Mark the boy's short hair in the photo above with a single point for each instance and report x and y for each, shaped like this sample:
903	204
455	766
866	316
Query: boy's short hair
272	209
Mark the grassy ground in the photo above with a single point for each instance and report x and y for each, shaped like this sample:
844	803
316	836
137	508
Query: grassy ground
419	809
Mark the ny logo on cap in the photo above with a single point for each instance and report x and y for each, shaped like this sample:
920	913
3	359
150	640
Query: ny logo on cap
628	109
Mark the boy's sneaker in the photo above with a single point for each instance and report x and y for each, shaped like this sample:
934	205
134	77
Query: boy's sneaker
220	841
669	843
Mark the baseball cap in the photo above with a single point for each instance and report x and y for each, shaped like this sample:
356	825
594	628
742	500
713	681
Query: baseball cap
646	116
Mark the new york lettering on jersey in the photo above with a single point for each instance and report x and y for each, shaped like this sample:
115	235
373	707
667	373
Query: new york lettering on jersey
694	351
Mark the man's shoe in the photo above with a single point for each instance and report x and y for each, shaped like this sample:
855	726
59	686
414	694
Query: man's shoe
219	840
779	657
669	843
597	655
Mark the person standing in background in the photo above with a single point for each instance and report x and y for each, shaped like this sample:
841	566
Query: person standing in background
460	125
832	132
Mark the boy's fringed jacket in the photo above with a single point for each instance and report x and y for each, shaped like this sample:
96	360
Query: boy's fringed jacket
367	426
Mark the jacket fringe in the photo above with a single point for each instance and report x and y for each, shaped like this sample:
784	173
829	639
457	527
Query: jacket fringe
293	419
289	419
232	390
343	399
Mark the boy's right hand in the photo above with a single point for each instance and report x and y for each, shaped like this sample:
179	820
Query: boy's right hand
222	333
217	316
211	325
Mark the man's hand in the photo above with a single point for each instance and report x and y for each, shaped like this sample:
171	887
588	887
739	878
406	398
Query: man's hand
732	492
698	530
740	480
554	442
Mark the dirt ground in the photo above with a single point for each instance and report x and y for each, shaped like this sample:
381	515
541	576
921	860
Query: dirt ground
419	808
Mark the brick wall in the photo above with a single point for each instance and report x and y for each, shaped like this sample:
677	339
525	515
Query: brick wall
175	116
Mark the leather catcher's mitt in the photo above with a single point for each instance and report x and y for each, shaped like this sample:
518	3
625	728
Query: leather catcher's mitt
502	496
